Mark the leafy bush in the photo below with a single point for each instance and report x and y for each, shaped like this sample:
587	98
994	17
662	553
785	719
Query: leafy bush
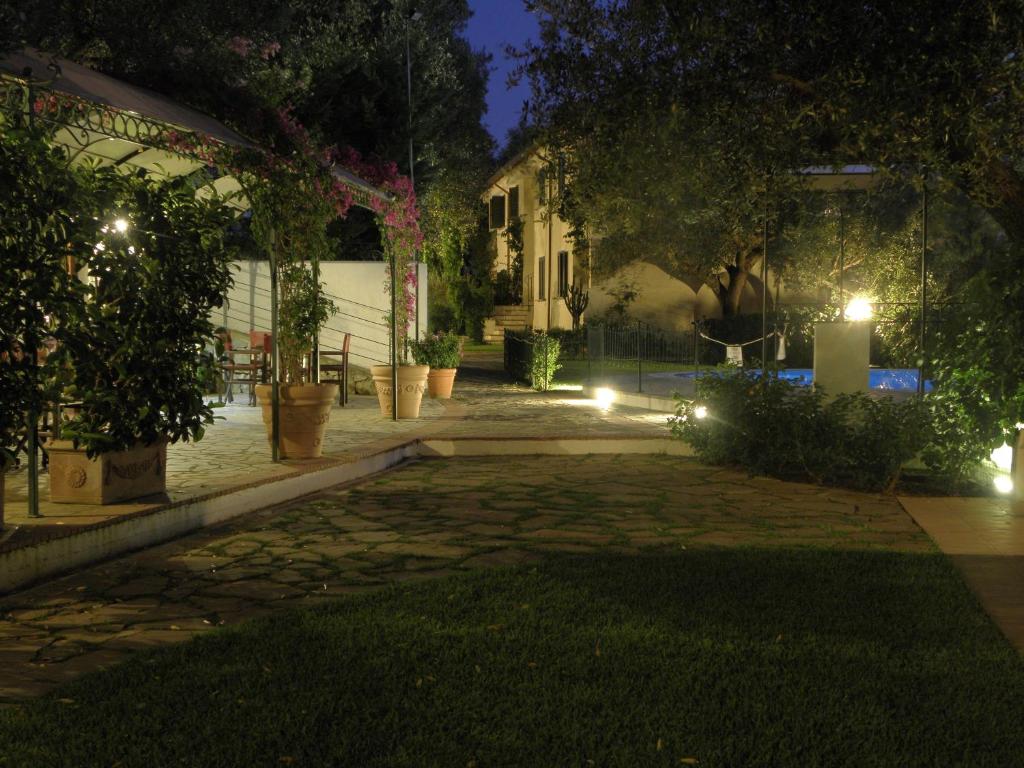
131	352
438	350
544	363
572	343
532	357
770	426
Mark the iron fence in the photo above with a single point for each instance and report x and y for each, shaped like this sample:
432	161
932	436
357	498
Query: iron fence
638	347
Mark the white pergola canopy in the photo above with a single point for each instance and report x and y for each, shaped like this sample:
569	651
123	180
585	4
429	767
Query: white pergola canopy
108	122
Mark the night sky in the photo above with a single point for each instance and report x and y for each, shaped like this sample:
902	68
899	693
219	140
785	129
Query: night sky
495	24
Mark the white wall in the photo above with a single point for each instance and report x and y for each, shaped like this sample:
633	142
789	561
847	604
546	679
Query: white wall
356	287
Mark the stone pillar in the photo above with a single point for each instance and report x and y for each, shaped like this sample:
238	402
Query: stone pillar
841	353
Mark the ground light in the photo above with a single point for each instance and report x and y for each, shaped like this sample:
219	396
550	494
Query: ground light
1002	457
1003	484
605	397
858	309
121	225
700	412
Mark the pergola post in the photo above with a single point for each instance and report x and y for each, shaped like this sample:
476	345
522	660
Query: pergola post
275	363
394	336
314	355
924	283
764	294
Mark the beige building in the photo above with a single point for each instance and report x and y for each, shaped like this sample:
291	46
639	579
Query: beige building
520	189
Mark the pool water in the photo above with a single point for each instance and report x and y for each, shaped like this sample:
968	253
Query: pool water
887	379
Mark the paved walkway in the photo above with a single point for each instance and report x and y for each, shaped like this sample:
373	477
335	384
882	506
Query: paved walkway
235	450
985	540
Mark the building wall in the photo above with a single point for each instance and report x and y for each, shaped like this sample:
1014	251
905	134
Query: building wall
358	288
663	301
541	239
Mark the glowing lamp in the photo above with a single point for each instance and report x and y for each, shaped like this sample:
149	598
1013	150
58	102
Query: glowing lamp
858	309
605	397
1002	457
700	412
1003	484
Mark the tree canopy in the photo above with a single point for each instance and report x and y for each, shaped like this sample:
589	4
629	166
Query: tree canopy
687	120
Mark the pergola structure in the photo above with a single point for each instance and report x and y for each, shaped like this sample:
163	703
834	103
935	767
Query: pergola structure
99	119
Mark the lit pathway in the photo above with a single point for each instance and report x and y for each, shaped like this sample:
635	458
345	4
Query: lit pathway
984	538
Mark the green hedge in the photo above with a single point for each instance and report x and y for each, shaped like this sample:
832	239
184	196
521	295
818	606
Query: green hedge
770	426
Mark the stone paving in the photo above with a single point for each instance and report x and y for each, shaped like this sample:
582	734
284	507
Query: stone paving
235	450
428	519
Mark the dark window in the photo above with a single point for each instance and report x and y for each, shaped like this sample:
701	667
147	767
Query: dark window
513	204
563	273
497	211
541	274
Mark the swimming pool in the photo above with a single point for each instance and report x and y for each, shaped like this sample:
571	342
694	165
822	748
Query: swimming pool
886	379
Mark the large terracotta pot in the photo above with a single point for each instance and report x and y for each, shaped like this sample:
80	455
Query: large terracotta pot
304	412
107	478
440	382
412	383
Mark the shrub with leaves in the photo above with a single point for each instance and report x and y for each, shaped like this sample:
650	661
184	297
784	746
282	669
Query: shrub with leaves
544	361
770	426
438	350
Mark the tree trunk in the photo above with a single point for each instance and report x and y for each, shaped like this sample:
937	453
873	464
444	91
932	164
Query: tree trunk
729	295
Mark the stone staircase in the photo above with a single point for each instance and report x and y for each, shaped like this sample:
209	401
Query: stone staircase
513	317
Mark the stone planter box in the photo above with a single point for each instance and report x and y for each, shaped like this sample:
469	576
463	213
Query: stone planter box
107	478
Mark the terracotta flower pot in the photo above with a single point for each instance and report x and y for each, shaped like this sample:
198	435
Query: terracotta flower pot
412	383
440	382
304	412
107	478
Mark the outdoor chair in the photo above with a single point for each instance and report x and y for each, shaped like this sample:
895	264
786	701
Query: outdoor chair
339	368
241	366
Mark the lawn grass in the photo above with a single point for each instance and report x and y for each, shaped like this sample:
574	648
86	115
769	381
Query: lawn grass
738	657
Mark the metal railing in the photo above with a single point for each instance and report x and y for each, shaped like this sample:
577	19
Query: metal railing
636	347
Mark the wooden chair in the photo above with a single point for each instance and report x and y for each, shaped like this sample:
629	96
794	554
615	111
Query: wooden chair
339	368
246	369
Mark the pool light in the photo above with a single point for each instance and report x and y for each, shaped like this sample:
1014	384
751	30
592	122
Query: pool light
1003	484
858	309
700	412
605	397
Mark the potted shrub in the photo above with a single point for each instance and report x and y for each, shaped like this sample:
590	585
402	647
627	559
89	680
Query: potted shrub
412	379
158	266
443	353
304	407
43	200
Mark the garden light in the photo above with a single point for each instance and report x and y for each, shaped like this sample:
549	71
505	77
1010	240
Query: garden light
858	309
1003	484
121	225
700	412
1002	457
605	397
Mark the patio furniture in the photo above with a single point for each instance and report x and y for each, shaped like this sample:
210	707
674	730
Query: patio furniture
339	368
245	366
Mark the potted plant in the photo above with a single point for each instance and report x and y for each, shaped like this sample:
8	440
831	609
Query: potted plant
305	406
399	246
443	353
157	267
43	200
